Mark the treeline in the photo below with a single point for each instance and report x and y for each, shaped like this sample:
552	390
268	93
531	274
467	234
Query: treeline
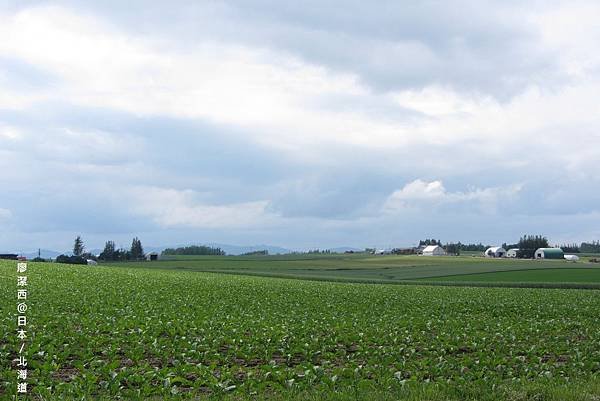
194	250
256	253
585	247
109	254
570	248
472	247
590	247
528	244
427	242
312	252
454	248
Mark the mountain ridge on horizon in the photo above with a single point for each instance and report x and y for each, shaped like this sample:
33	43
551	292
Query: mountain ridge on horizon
229	249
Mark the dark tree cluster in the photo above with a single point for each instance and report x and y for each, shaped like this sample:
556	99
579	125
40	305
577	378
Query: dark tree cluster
194	250
256	253
473	247
73	260
313	252
318	251
528	244
427	242
452	249
137	251
78	246
79	257
455	248
570	248
404	251
111	254
590	247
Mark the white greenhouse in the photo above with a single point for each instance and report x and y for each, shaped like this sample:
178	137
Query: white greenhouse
512	253
433	250
495	252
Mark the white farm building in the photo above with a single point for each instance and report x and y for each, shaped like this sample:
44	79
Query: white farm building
433	250
495	252
512	253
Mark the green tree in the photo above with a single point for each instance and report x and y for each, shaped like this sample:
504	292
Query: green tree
137	251
109	251
194	250
529	243
592	247
78	246
452	249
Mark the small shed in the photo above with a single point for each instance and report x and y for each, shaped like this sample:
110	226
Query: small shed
549	253
433	250
512	253
495	252
152	256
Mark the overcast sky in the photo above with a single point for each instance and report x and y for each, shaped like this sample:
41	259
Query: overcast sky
299	124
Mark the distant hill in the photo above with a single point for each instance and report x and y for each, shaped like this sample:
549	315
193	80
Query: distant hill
343	249
45	253
228	248
240	249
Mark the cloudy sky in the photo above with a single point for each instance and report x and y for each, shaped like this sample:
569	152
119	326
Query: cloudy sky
299	124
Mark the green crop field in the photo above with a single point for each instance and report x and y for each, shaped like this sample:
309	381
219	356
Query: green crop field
110	332
554	275
396	269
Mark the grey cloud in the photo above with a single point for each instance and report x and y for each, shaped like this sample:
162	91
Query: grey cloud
479	46
67	172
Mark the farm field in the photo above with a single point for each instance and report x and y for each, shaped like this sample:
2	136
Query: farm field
394	269
108	332
553	275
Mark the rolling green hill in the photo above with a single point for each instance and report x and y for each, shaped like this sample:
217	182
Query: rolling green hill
394	269
115	332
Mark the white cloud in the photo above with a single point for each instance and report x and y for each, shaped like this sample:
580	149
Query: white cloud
274	96
571	30
5	214
87	146
10	133
221	82
316	120
425	195
180	208
439	102
420	190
